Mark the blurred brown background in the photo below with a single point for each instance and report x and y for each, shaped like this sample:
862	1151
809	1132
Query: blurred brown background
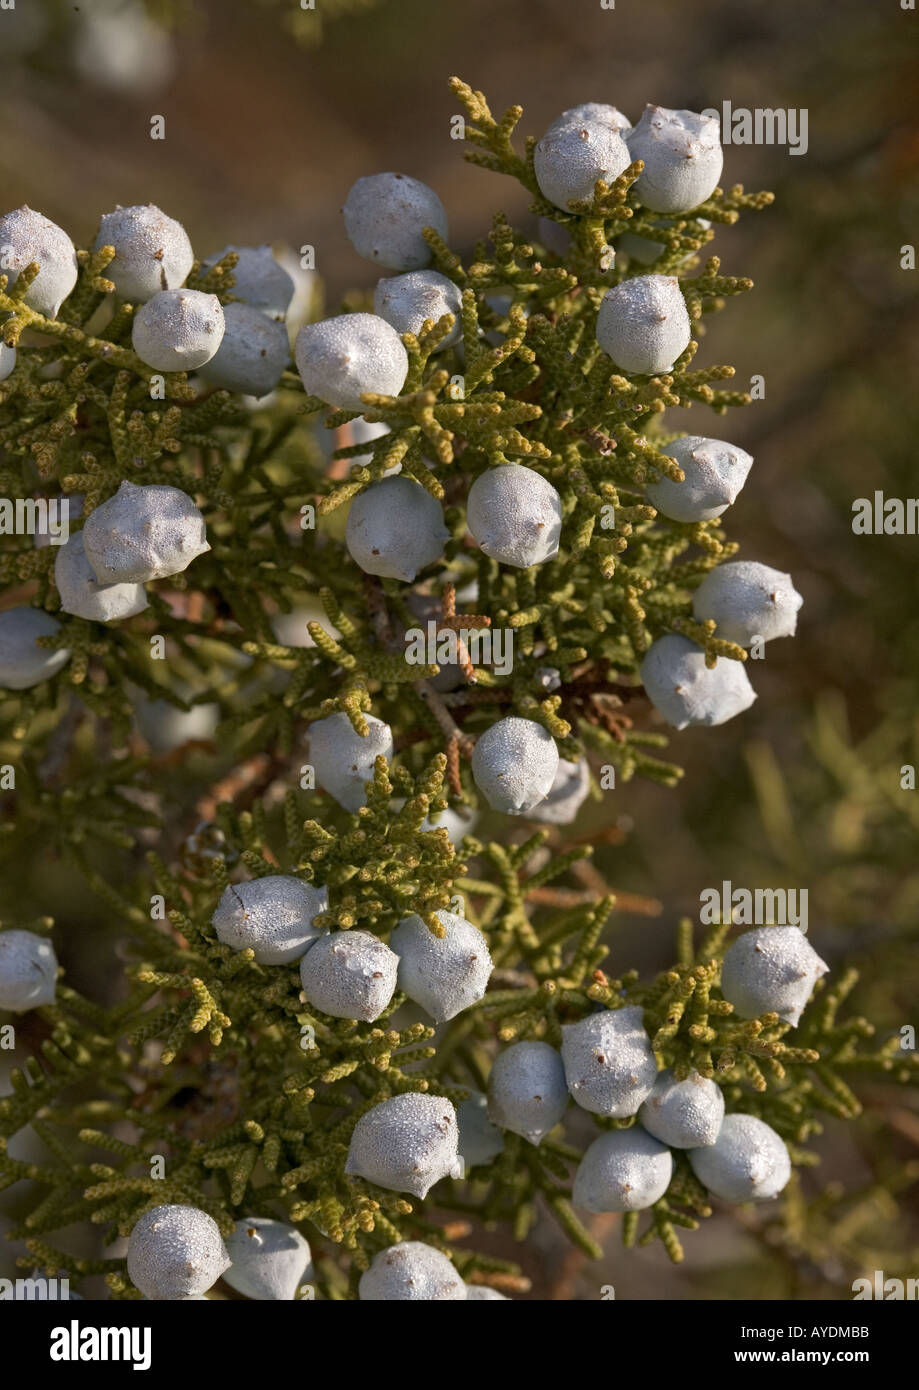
264	136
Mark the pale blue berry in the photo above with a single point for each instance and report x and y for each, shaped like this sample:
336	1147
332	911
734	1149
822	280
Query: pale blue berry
566	795
643	324
406	301
771	970
395	528
686	691
570	158
748	1162
410	1272
272	916
527	1091
22	662
349	975
270	1259
178	330
143	533
28	971
253	352
406	1144
166	727
342	358
481	1293
152	251
385	215
593	113
714	473
26	237
7	361
443	974
622	1170
609	1063
343	759
259	280
682	156
514	765
83	595
683	1114
480	1141
747	601
174	1251
515	515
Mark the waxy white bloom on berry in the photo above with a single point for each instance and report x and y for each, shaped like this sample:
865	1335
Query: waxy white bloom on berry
443	974
410	1272
593	113
349	975
622	1170
686	691
22	662
395	528
406	301
682	155
527	1091
385	215
571	158
259	280
28	971
175	1251
609	1064
479	1140
515	515
514	765
273	916
714	472
144	533
270	1259
83	595
407	1143
152	251
771	970
748	600
566	795
26	237
684	1114
748	1162
342	358
343	759
252	355
178	330
643	324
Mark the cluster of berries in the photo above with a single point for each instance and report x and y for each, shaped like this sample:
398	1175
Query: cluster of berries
396	529
142	532
409	1142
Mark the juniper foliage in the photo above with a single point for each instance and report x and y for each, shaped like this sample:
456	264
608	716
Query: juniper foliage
201	1056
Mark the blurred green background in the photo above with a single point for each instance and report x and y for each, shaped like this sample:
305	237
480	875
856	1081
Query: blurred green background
265	132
